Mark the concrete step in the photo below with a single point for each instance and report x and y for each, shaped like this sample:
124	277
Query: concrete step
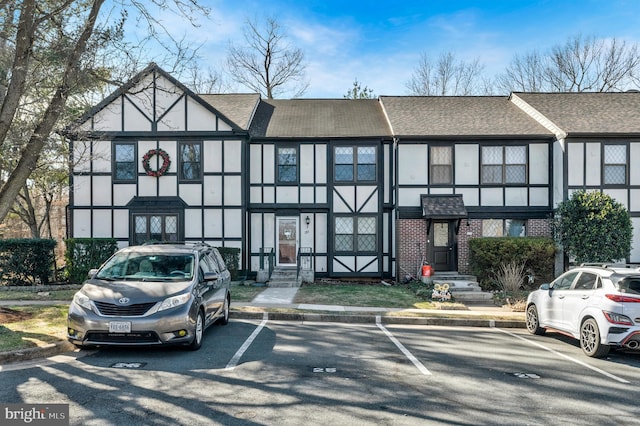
281	277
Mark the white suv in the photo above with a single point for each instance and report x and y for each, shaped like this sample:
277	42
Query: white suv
597	304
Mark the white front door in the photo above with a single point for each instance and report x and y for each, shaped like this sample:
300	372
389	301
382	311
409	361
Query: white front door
287	232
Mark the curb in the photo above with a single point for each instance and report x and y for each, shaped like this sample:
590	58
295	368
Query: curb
45	351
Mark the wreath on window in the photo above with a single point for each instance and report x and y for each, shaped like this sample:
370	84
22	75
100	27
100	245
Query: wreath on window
166	162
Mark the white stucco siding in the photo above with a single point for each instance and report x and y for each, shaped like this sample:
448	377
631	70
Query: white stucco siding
269	230
232	156
212	156
515	197
268	195
593	164
101	154
321	232
213	190
634	202
539	164
167	186
634	170
491	197
441	191
386	172
81	156
343	264
190	193
575	164
232	191
193	223
134	119
321	195
268	164
307	163
147	186
82	223
255	194
256	232
82	190
307	195
166	95
634	256
539	197
306	231
233	223
467	164
199	118
101	191
470	196
287	194
213	223
343	199
367	199
410	197
321	164
367	264
121	224
123	193
173	120
413	164
255	164
109	118
102	224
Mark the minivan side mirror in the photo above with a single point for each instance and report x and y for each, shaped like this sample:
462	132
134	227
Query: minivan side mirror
92	273
210	276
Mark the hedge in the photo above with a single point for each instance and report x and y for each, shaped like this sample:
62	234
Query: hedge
487	254
25	261
83	254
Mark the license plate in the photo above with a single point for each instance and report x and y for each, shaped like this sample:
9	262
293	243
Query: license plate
119	327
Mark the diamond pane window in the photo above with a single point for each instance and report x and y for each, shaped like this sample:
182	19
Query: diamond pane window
125	161
344	164
615	164
344	233
441	165
190	161
492	228
287	165
366	163
501	165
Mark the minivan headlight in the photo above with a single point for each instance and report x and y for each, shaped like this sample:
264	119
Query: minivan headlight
172	302
81	299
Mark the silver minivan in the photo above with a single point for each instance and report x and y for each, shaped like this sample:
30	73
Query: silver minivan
150	295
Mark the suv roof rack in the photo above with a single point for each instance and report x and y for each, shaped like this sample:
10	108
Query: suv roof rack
612	265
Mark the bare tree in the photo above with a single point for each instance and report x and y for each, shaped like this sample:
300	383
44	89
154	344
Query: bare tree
50	50
581	64
359	92
446	76
266	63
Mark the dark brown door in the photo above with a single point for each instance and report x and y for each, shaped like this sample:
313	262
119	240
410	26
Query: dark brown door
441	245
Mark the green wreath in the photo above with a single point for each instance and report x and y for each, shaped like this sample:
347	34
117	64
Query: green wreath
166	162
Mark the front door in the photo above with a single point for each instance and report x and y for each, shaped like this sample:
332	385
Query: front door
441	245
287	231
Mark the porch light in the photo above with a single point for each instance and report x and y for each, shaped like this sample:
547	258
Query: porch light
307	220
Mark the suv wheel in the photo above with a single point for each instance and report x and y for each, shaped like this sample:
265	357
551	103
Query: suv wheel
533	321
590	339
198	332
224	320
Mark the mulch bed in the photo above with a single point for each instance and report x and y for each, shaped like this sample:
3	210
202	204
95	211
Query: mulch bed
9	315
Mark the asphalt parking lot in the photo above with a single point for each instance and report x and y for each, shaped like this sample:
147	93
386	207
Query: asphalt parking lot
264	372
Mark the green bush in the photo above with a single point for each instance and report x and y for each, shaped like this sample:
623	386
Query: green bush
83	254
487	255
26	261
231	258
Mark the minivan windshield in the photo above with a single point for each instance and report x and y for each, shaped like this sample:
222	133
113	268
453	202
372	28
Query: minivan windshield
148	267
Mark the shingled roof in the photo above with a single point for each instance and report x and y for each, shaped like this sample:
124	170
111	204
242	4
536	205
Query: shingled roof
443	206
239	107
445	116
594	113
326	118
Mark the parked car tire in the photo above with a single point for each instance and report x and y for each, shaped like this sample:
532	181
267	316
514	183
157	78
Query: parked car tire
533	321
225	309
590	339
198	333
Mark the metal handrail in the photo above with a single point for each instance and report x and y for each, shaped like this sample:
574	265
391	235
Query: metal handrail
270	256
305	253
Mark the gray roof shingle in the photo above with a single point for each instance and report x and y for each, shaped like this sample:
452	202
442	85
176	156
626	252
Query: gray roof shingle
325	118
238	108
482	116
596	113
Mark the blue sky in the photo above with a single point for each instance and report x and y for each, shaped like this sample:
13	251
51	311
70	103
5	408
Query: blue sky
379	43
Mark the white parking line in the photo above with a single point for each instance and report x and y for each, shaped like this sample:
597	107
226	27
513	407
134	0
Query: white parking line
597	370
236	358
404	350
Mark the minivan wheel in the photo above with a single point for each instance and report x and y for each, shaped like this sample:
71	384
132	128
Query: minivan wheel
590	339
198	332
533	321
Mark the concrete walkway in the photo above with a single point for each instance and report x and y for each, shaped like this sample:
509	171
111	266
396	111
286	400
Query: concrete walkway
276	296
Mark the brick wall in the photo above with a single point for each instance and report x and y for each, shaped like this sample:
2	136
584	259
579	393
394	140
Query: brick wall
411	247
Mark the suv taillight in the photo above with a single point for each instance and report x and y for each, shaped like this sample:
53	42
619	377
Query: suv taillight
622	299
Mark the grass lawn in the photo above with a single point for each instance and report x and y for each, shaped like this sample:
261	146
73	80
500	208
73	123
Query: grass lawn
34	295
31	326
